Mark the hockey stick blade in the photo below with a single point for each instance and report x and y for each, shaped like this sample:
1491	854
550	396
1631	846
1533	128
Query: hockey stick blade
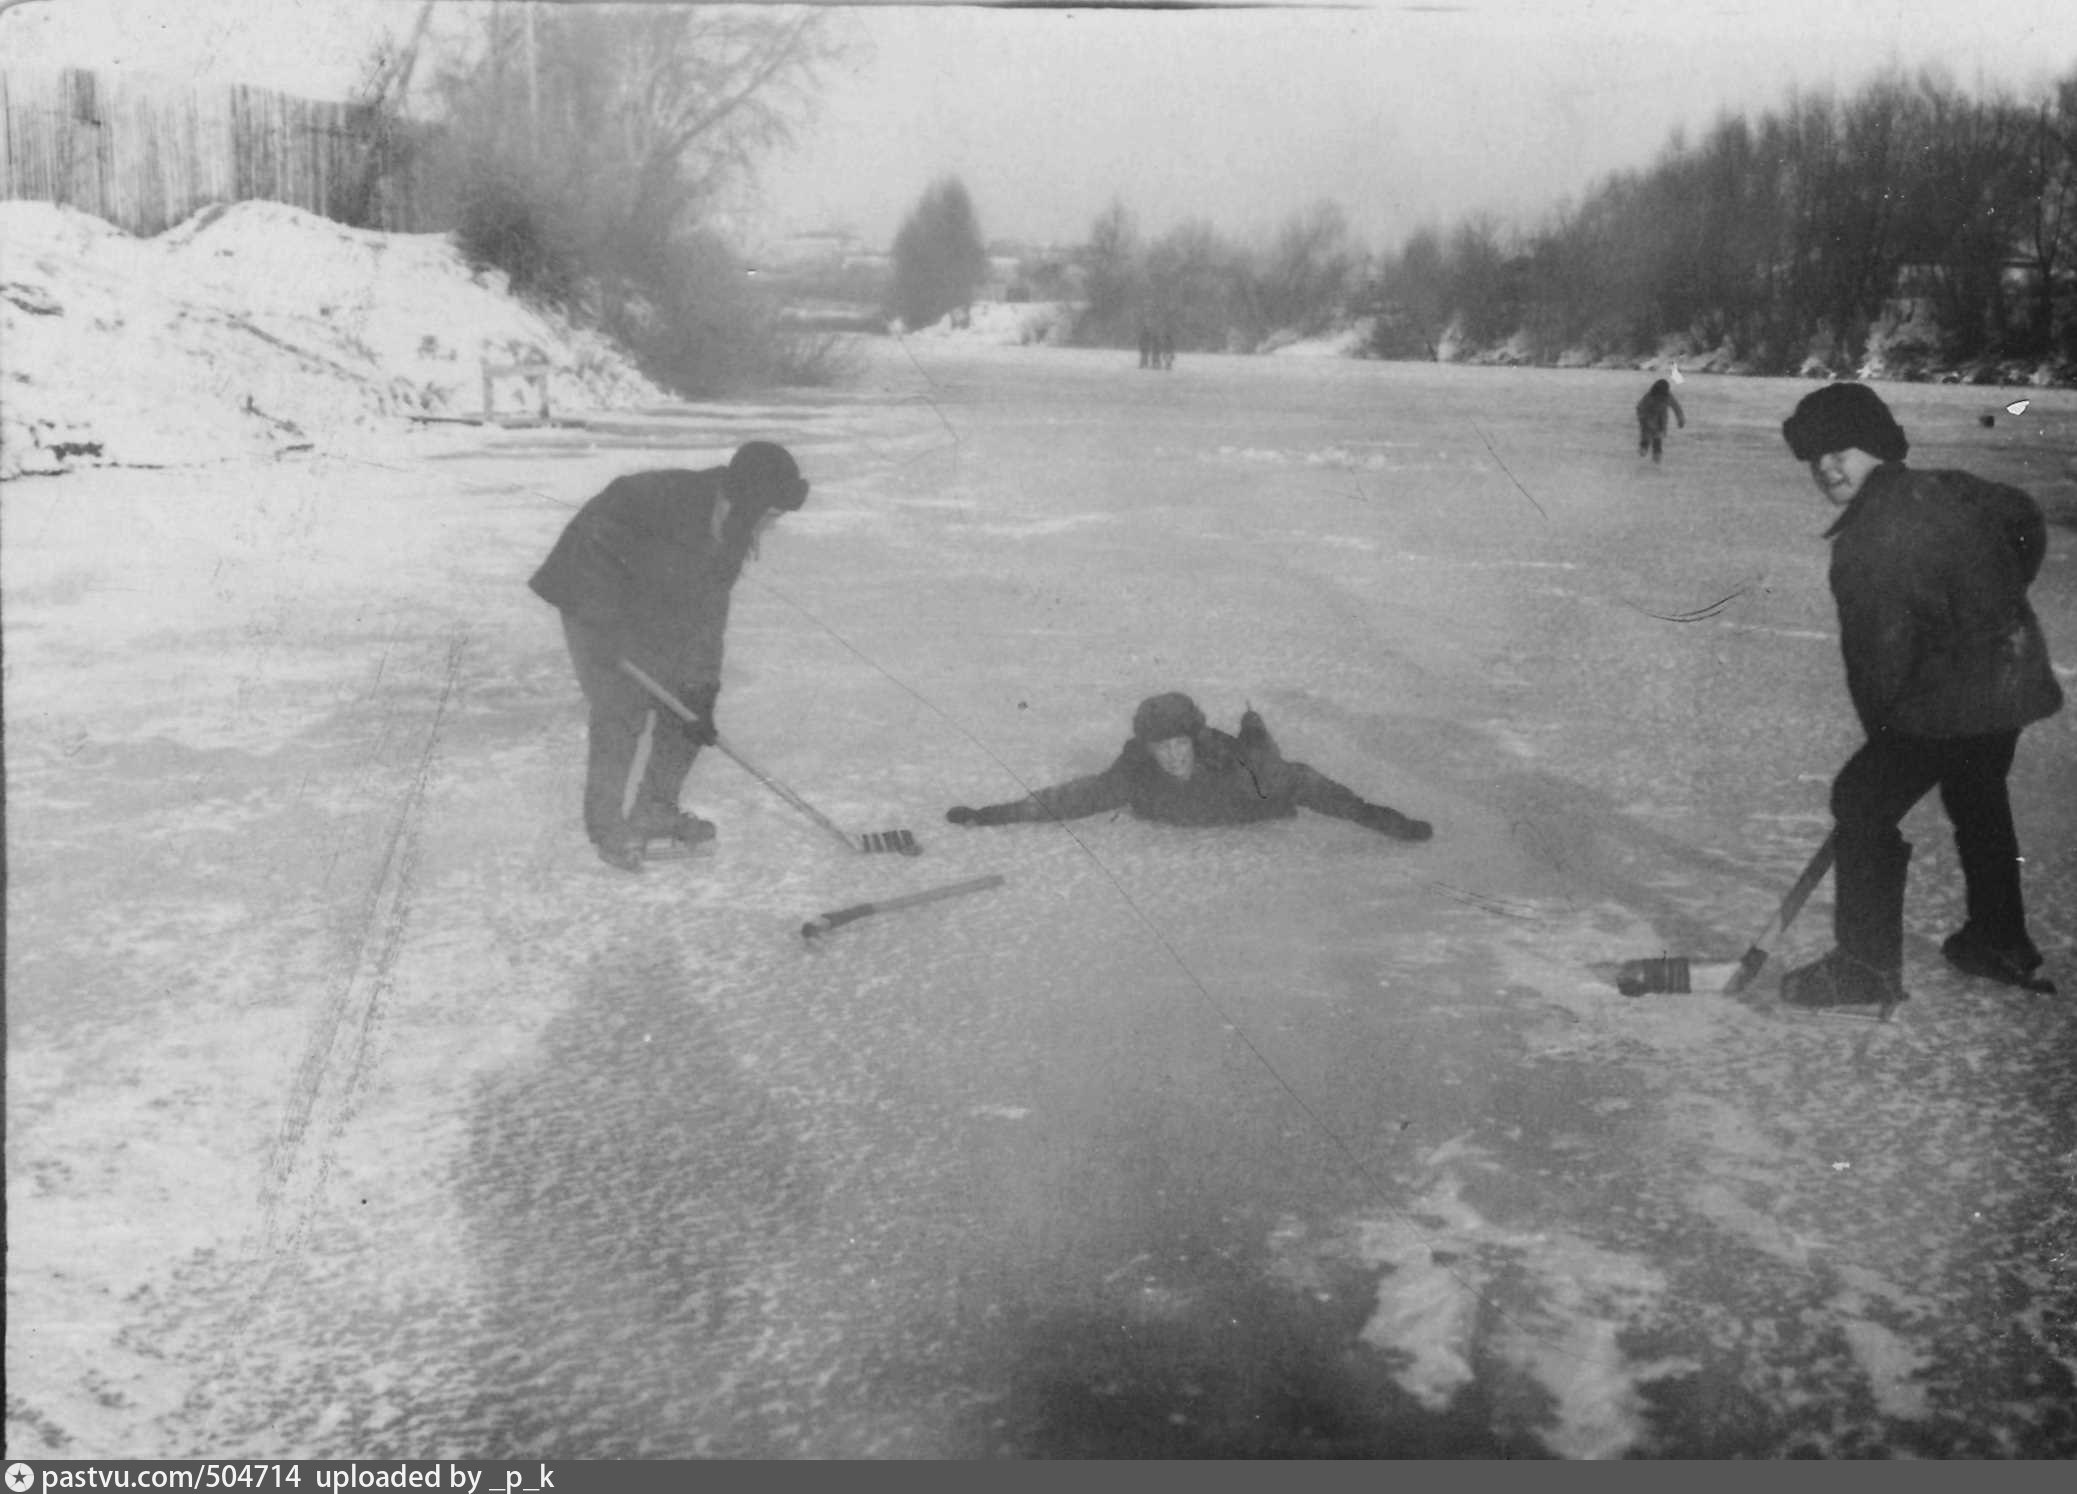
900	841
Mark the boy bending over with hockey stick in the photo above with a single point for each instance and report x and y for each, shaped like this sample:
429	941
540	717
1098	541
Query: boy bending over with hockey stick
1177	770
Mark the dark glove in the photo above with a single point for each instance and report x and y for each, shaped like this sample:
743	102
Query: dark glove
993	814
1391	822
699	699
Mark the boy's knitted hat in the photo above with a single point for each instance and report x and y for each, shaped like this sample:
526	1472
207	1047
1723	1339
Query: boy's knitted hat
1840	417
1160	717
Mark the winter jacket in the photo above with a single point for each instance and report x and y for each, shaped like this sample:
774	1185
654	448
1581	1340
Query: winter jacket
1236	780
641	565
1930	572
1651	413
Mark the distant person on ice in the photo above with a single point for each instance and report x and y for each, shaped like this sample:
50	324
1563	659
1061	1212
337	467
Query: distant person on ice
1180	771
643	573
1945	663
1651	417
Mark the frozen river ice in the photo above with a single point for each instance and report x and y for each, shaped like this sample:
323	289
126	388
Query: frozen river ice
355	1110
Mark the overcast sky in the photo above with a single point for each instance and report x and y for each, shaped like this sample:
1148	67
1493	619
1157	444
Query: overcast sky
1404	114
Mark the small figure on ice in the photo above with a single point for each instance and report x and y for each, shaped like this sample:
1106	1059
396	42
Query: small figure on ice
643	573
1945	664
1180	771
1651	417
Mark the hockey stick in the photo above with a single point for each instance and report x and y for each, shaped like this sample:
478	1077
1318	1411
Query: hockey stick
879	840
843	916
1754	957
1680	975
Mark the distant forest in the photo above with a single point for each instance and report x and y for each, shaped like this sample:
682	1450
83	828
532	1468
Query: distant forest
1906	229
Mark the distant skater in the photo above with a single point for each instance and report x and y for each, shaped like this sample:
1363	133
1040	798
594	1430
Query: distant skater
1167	349
1651	418
1146	346
1177	770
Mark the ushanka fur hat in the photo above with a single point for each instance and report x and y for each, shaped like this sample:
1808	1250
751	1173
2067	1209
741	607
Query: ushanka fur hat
766	472
1160	717
1841	417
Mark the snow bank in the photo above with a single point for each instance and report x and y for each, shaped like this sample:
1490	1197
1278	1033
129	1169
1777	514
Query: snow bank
1342	342
253	329
1006	324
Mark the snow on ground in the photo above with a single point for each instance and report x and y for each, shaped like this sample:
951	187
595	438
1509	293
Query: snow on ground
254	329
1004	324
354	1109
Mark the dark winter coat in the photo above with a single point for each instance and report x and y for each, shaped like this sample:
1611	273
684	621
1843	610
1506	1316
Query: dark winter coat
1236	780
642	566
1651	411
1930	572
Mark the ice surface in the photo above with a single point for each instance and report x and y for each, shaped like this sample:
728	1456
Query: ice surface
355	1109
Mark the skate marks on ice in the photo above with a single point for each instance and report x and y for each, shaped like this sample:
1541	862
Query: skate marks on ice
336	1057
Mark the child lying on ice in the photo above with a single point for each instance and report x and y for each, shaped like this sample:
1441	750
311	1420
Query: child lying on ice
1180	771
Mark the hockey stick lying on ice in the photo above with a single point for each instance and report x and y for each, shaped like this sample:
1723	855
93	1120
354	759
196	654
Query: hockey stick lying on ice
879	840
1679	974
843	916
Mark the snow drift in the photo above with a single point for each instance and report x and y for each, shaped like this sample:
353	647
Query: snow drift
257	328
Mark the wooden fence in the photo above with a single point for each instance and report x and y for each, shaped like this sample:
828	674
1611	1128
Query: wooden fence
147	153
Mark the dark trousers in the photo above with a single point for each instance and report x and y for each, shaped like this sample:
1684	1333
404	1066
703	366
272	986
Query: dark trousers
1305	786
1870	797
620	711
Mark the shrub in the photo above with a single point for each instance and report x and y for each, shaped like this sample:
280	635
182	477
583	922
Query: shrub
503	224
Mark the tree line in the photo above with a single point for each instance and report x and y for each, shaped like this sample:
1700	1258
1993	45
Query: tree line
1204	290
1907	227
1909	221
590	153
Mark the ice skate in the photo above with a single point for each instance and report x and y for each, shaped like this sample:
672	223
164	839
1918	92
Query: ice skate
622	855
671	835
2011	965
1837	979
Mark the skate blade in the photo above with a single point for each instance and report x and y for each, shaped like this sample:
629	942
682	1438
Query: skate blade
677	850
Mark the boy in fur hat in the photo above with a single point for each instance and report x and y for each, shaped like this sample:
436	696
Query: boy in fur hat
1180	771
1945	664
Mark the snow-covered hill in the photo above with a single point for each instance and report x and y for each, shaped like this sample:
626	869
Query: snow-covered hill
257	328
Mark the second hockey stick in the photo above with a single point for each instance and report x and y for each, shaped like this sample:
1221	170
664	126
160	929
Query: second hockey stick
843	916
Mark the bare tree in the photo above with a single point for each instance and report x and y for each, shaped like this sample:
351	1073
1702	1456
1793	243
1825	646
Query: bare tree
939	257
1197	286
1306	274
1113	277
639	118
2047	224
